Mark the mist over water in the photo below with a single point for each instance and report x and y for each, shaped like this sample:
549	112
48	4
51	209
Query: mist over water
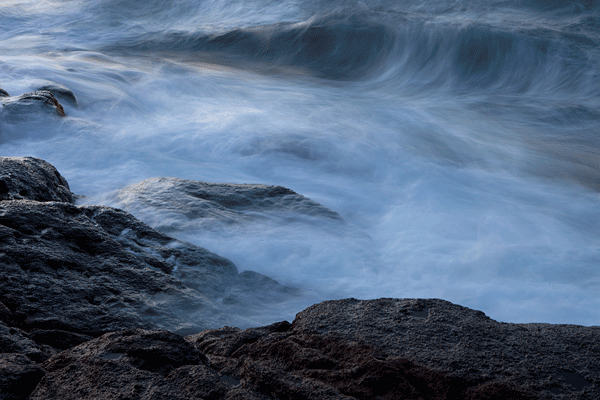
459	140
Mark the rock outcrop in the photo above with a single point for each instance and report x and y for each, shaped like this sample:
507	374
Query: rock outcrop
542	358
71	270
33	179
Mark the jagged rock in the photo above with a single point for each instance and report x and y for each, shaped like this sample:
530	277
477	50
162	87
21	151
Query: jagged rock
211	275
17	107
134	364
61	92
279	362
61	270
15	340
545	359
18	376
179	203
70	270
32	178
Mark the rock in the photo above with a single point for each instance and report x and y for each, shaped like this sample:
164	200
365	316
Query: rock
17	107
346	349
58	339
170	204
61	270
68	270
129	364
239	295
4	93
541	358
279	362
32	178
15	340
61	92
18	376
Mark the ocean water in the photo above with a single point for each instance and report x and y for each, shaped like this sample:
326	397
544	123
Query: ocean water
459	139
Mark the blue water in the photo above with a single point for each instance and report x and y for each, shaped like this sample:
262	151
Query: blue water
458	139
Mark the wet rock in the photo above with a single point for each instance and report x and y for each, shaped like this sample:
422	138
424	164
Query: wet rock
60	92
63	271
169	204
18	376
4	93
17	108
32	178
239	294
68	270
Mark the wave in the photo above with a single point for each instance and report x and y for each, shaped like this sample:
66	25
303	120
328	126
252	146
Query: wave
335	49
422	54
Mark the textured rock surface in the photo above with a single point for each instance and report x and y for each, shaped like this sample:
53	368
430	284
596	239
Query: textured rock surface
179	203
17	107
32	178
68	270
547	359
61	270
279	361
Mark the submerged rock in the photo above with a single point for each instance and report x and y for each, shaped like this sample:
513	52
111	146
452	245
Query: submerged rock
179	203
17	107
61	92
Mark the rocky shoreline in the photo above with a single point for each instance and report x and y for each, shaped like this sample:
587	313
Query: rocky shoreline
95	304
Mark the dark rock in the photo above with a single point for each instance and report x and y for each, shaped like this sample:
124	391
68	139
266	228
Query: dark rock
345	349
18	376
67	270
178	204
155	351
61	92
129	364
5	313
105	379
4	93
32	178
207	273
60	270
15	340
17	108
283	363
541	358
58	339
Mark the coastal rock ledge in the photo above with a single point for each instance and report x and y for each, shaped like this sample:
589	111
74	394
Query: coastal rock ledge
87	294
